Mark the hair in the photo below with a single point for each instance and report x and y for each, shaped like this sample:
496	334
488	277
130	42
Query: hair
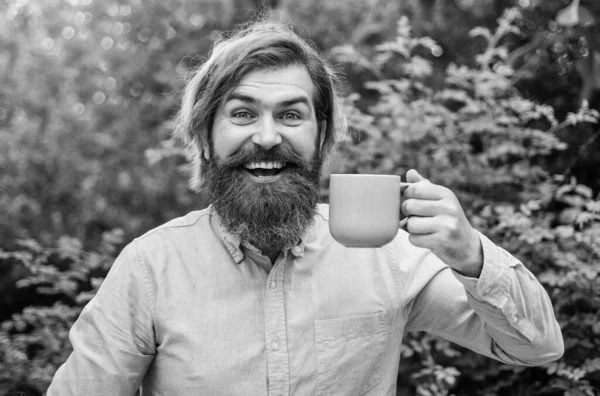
259	45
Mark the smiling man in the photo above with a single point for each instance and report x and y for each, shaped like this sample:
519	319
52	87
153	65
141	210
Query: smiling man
253	296
262	170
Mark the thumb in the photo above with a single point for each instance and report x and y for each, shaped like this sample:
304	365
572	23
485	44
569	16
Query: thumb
412	176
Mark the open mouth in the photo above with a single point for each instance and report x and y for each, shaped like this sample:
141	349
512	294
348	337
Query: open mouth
266	169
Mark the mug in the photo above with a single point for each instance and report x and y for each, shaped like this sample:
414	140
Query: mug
364	210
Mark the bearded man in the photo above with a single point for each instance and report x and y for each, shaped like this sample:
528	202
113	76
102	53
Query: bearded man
253	296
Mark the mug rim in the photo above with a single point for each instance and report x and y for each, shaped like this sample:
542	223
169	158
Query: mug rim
374	175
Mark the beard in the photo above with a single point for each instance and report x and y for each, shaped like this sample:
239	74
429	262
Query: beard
271	216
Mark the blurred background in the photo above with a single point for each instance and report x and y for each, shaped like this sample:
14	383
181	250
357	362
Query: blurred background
496	99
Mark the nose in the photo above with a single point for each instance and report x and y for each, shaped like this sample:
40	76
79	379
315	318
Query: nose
267	136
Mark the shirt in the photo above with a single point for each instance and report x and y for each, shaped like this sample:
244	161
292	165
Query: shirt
188	309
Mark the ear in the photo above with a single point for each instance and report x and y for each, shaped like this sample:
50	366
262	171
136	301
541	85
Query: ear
326	143
203	145
322	135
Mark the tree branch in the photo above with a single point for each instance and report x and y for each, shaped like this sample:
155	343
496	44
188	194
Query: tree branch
582	150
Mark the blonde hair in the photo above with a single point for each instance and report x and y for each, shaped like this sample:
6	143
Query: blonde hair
258	45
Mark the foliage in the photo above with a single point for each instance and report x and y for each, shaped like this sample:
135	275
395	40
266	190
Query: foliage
34	342
86	100
483	139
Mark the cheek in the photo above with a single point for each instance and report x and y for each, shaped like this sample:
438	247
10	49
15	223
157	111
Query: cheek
304	142
227	139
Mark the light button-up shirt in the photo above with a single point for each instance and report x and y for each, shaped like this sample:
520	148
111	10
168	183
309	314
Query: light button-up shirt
188	309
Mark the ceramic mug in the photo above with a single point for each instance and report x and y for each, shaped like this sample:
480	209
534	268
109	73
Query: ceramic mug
364	210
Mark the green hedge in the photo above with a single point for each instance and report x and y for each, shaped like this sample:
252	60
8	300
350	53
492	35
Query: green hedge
87	153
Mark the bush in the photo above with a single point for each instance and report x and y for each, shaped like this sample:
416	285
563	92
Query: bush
478	135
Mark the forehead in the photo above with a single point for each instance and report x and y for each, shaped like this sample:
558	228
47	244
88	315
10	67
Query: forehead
281	82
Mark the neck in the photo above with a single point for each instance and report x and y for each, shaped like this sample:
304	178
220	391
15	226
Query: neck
272	254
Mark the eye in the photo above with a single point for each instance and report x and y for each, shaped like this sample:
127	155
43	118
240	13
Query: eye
290	116
242	114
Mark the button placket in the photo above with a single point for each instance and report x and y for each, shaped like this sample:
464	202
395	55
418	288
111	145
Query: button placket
275	332
275	344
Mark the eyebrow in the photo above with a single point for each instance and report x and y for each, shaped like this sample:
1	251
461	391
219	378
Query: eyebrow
252	100
241	97
293	101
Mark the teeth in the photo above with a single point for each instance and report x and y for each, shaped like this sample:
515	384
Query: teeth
265	165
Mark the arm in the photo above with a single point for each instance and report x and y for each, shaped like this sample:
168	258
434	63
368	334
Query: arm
469	290
505	314
113	338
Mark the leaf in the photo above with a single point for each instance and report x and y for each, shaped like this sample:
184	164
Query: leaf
348	53
525	209
562	190
584	191
593	206
575	201
564	231
592	365
584	218
69	247
30	244
482	32
575	14
552	368
584	114
418	67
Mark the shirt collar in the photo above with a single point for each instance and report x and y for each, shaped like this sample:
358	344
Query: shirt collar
235	245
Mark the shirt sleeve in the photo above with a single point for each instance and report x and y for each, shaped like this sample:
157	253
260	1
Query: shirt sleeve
113	338
505	314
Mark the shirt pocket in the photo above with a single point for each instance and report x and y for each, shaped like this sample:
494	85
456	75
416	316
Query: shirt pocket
349	353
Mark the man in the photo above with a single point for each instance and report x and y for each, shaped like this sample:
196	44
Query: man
252	296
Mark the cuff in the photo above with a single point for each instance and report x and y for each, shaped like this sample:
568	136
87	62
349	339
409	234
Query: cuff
492	284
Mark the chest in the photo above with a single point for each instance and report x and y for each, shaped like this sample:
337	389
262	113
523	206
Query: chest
308	325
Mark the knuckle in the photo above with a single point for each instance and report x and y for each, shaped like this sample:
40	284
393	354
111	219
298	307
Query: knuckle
451	224
407	206
446	192
410	224
411	190
449	207
454	226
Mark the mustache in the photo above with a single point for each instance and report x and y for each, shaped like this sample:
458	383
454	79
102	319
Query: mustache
259	154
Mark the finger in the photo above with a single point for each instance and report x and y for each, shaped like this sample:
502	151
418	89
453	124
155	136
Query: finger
424	241
412	176
424	208
424	190
422	225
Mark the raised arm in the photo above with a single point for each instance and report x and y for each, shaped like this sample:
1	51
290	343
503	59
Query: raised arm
504	314
113	338
468	290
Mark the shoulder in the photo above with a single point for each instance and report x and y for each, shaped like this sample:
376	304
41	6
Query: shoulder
175	246
182	229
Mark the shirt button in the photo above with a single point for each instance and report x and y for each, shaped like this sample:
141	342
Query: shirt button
297	250
515	319
273	284
275	344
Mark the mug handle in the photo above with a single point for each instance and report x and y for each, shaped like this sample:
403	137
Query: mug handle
404	221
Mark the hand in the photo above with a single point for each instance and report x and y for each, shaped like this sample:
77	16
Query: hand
437	222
